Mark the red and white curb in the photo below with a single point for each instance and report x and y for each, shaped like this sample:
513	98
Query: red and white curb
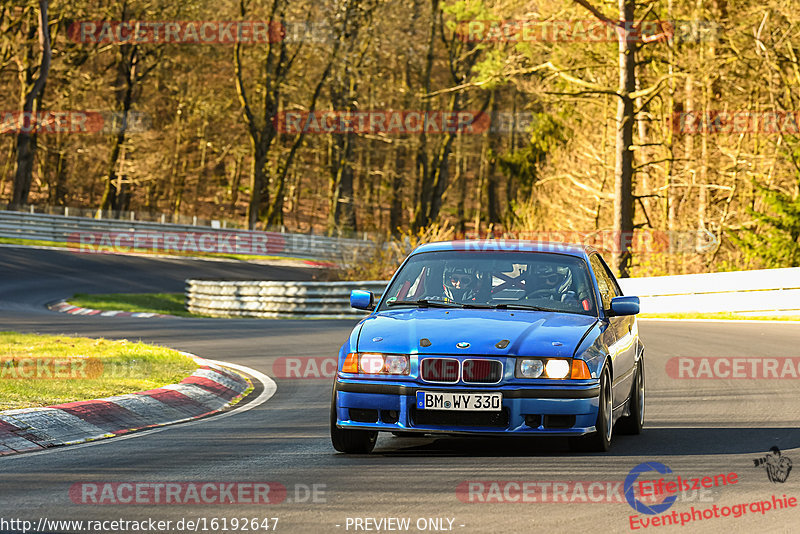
65	307
206	391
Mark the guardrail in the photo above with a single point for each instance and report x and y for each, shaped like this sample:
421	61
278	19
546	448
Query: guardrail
760	292
63	229
299	300
763	292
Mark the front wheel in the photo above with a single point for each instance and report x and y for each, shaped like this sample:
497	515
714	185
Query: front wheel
350	441
633	423
600	440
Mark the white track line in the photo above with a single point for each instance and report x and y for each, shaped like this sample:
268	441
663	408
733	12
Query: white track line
270	387
735	321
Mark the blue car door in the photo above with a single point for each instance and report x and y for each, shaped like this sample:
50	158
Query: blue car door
623	347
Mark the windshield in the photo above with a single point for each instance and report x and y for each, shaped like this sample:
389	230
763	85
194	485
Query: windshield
513	280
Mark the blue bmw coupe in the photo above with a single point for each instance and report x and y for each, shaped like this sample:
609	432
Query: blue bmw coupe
493	338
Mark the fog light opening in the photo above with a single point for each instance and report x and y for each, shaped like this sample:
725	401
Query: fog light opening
390	416
533	421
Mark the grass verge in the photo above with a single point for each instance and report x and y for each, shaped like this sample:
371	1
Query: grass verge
164	303
720	315
30	242
42	370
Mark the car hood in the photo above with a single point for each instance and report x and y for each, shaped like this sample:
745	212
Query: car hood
529	333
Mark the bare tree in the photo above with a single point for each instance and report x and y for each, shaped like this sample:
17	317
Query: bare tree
33	78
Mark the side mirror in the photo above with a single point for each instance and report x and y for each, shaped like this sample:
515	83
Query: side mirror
624	306
362	300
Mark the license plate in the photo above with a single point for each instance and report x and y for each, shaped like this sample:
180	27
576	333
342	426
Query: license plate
467	402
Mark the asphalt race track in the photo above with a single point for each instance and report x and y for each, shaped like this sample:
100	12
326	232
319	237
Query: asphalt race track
697	428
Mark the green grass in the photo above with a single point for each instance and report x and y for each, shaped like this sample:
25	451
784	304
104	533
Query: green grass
39	370
30	242
719	315
165	303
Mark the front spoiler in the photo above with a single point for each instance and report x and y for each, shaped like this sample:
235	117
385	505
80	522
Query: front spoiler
467	433
584	392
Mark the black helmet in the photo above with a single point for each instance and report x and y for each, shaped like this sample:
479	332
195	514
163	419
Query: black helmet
556	278
459	282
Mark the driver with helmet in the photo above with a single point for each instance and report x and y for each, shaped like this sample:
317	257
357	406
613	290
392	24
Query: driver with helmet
459	283
551	282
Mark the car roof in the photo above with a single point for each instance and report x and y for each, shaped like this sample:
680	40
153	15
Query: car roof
508	245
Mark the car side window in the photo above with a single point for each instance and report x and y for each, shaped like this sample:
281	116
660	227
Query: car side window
613	281
606	286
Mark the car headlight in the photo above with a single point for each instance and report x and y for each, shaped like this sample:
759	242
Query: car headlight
531	368
396	364
555	368
372	363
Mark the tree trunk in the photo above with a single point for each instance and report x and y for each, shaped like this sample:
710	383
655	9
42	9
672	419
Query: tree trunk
26	142
258	183
127	77
236	180
395	183
424	179
341	213
623	171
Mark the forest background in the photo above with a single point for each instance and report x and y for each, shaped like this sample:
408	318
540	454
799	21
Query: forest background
670	122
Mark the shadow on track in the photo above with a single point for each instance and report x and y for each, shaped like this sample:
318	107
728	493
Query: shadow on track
652	442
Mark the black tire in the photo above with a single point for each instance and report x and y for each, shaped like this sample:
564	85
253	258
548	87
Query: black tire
600	440
350	441
633	423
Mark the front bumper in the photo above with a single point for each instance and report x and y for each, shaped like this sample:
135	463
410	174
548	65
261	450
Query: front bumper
552	410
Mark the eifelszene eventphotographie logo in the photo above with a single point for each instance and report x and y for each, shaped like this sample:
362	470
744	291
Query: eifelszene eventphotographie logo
777	466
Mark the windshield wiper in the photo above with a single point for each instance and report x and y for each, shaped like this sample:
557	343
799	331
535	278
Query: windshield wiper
514	306
426	303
